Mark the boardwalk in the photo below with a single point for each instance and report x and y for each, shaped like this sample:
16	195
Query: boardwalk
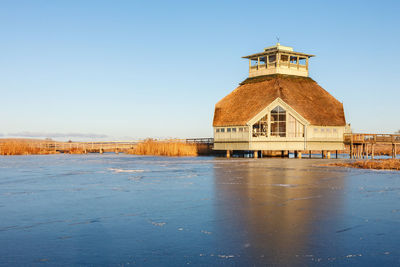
88	147
363	145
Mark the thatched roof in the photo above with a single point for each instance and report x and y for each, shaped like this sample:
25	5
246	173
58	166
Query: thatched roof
303	94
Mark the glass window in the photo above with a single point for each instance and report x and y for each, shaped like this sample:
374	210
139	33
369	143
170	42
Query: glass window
295	128
222	130
240	129
228	130
217	130
272	59
260	128
234	130
278	122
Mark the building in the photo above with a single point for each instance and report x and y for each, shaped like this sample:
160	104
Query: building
279	108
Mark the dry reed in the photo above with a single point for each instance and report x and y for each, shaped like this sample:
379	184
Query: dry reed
165	148
14	147
381	164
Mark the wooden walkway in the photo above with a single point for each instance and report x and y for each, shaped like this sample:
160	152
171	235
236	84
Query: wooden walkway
363	145
87	147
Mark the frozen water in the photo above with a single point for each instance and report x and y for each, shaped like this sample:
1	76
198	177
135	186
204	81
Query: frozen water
112	210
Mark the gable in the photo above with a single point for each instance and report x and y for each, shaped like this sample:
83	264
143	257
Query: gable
275	103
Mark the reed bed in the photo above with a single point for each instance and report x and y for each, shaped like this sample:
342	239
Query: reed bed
171	148
15	147
381	164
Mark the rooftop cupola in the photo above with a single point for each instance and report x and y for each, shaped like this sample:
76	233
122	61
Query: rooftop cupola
278	59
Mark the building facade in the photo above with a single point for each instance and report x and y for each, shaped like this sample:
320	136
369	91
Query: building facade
279	108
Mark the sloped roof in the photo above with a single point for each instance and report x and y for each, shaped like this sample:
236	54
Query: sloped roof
303	94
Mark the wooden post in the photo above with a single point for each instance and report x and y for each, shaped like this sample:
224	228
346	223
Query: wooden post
354	151
323	154
363	151
283	153
328	155
373	151
299	155
393	151
336	154
295	154
255	154
258	63
228	154
309	153
278	60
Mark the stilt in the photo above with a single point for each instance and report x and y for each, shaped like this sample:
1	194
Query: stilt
309	153
351	151
373	151
228	154
299	155
101	151
323	154
362	151
336	154
283	153
328	155
255	154
296	154
393	151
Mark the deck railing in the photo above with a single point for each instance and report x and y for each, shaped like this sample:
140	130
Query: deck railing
358	138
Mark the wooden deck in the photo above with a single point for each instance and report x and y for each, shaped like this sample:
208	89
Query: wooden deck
363	145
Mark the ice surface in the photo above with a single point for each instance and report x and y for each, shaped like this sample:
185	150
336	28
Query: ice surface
118	210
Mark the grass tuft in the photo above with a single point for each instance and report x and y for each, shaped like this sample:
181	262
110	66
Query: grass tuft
172	148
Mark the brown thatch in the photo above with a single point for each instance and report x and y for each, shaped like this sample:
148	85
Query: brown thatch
303	94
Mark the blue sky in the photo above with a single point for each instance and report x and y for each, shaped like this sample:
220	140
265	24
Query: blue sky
134	69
